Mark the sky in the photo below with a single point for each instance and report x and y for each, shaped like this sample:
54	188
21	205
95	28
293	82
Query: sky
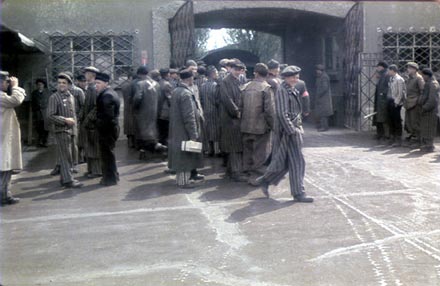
216	40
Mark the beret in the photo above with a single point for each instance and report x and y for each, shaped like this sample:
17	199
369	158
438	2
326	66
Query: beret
164	70
382	64
428	72
142	70
186	73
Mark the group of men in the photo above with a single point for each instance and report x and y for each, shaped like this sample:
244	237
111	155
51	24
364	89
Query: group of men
88	113
255	125
418	93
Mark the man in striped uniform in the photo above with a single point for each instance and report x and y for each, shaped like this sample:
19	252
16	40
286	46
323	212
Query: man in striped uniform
210	100
287	156
61	112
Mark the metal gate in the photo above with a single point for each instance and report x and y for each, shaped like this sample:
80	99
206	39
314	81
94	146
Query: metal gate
367	86
182	35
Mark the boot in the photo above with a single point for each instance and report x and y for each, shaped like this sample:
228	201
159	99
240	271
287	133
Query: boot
55	171
303	198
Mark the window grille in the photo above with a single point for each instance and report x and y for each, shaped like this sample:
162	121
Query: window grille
422	48
112	54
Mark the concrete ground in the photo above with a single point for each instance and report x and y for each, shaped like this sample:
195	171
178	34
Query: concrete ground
375	221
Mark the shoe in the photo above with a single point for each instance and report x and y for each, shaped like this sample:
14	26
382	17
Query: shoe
303	199
256	182
160	148
55	171
191	185
75	170
92	176
239	178
169	171
10	201
197	177
105	183
427	149
74	184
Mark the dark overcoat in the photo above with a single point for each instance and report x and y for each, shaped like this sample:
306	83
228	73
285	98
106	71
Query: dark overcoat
381	98
230	97
88	123
210	100
185	124
429	105
128	94
145	106
323	99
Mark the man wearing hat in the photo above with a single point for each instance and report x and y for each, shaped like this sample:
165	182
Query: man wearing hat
224	68
428	104
323	98
40	98
88	124
81	82
231	141
107	123
174	77
61	113
257	121
414	89
273	77
381	118
185	125
10	143
166	90
287	156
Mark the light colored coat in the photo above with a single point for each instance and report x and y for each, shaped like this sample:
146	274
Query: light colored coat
10	144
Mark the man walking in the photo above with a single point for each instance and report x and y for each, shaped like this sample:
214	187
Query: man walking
428	104
396	98
107	122
257	121
61	113
287	156
323	100
10	143
231	139
185	125
414	89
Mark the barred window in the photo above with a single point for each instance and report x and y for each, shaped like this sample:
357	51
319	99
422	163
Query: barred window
422	48
109	53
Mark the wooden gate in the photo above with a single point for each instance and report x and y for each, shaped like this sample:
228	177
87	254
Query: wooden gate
182	35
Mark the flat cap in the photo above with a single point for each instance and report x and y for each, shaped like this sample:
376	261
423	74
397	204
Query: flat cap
290	70
211	69
428	72
186	73
173	71
320	67
4	75
224	62
190	63
412	65
102	77
273	64
91	69
81	77
237	64
65	76
164	70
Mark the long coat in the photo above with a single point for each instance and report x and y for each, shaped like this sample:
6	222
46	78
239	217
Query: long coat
10	144
185	124
39	106
210	100
381	98
323	100
128	94
145	106
429	105
88	123
165	99
230	97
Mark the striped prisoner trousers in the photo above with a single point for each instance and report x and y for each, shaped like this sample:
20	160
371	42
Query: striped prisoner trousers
295	165
183	178
64	149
